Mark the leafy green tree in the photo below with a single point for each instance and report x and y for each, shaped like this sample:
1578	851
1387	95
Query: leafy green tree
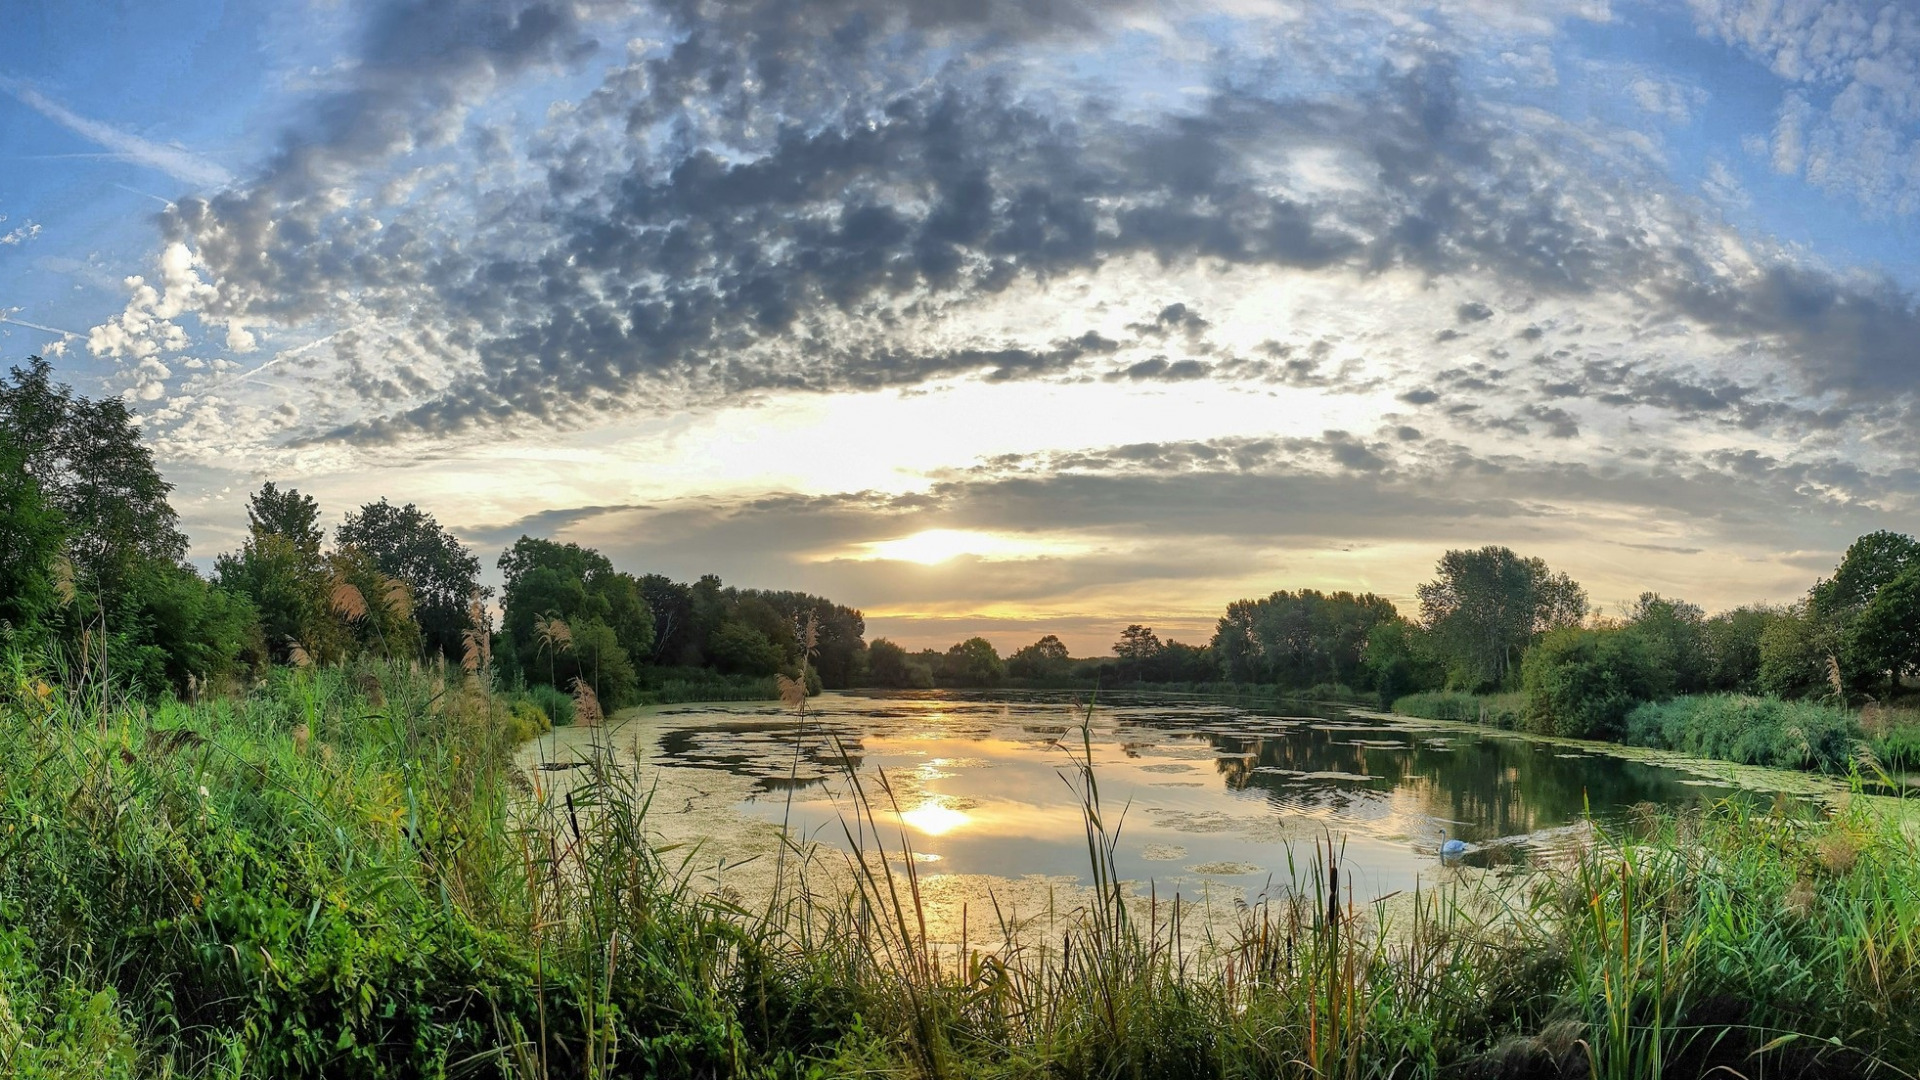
1487	605
1871	562
739	648
1299	639
973	662
271	511
89	463
31	532
279	569
1797	653
1676	632
1582	683
406	543
1397	661
187	633
1733	646
369	610
1884	637
1044	659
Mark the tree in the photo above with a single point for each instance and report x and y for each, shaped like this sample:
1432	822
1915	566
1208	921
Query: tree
88	461
742	649
1044	659
1676	632
407	543
1137	647
890	666
1299	639
31	532
1582	683
973	662
1885	636
1796	655
1870	563
1733	647
288	513
1488	605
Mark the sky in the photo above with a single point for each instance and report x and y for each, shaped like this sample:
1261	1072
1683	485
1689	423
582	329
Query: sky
1007	317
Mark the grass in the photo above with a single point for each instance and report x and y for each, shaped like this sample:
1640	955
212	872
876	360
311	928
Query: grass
1505	711
1750	730
342	874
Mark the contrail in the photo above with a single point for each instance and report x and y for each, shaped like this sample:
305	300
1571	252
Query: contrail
37	326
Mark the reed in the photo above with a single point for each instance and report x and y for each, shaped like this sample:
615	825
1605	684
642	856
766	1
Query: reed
302	882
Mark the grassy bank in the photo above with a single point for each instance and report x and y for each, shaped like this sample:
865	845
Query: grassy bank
342	875
1504	711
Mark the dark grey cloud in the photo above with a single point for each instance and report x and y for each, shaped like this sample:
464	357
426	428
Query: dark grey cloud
783	194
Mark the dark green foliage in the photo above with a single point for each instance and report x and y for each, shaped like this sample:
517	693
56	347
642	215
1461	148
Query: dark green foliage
1582	683
1750	730
739	648
973	662
1675	633
1299	639
1043	661
1733	647
890	666
1488	605
1505	711
1883	638
406	543
31	531
1797	654
87	459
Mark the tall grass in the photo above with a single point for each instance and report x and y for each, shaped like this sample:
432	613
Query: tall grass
342	874
1750	730
1505	711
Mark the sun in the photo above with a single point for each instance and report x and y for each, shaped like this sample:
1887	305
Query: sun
932	546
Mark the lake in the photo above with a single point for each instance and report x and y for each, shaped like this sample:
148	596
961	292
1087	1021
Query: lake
1209	796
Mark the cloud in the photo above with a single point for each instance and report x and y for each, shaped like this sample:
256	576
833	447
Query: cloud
1852	122
181	164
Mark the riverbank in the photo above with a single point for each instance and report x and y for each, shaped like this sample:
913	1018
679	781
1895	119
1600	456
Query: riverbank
346	874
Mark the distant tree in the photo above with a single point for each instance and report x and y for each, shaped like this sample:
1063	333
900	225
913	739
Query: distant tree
1044	659
1487	605
1797	655
1733	647
1137	647
601	608
1676	632
288	513
973	662
890	666
1299	639
405	542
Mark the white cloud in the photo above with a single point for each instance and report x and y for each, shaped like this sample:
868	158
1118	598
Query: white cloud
176	161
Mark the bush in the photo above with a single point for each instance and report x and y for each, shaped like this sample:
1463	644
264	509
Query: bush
1496	710
1582	683
557	706
1750	730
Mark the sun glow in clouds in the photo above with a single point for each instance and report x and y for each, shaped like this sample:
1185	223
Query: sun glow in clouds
934	819
934	546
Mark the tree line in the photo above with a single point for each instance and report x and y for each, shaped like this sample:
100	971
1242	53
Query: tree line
94	576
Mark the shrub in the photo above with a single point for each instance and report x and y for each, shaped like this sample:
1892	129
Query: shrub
557	706
1581	683
1496	710
1750	730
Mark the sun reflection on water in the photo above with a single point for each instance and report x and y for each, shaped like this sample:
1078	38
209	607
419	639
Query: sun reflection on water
935	819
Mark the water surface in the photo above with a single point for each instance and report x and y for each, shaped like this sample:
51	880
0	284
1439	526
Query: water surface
1206	795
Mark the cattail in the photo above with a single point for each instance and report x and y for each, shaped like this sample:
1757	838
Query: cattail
297	653
300	736
554	633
